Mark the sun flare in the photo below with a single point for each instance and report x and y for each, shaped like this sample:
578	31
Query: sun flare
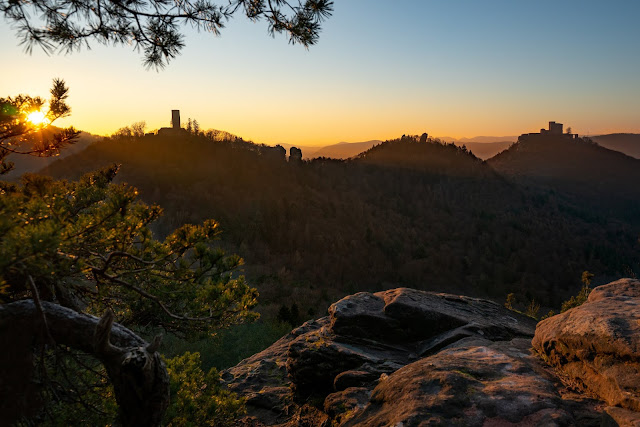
38	118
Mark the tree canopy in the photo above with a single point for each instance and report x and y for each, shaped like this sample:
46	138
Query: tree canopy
87	245
153	26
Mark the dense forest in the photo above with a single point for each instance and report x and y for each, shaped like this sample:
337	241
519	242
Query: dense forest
426	215
589	175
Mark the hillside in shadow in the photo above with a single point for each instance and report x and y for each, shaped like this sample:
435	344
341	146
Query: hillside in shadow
597	178
425	215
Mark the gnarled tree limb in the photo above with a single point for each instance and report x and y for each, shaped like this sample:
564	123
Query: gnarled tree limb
138	375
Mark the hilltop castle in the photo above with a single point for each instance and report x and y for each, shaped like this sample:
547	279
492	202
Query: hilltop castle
555	129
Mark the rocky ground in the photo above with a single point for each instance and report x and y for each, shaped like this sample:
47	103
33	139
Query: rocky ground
411	358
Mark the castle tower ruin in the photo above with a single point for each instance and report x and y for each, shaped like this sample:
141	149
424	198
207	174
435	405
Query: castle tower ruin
175	119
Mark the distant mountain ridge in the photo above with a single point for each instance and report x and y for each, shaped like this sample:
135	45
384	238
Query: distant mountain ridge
26	163
627	143
485	150
483	147
487	139
344	150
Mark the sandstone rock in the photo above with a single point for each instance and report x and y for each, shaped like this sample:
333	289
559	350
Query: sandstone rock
344	405
596	347
315	360
475	383
405	357
262	379
623	417
379	333
407	316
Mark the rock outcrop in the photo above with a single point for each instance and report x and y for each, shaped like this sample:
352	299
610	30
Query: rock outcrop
406	358
295	155
596	347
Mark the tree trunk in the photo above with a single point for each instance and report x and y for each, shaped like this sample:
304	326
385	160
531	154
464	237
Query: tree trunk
139	377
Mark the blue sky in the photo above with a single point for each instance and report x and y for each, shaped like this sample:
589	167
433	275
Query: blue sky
381	69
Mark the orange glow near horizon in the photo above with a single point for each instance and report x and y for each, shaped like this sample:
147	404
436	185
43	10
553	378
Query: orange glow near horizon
498	75
325	129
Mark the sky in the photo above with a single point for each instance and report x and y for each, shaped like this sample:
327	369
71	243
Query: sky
454	68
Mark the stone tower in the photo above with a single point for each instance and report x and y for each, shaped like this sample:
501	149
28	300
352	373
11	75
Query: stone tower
175	119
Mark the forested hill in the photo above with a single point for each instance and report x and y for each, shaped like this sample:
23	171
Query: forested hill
605	181
423	215
431	157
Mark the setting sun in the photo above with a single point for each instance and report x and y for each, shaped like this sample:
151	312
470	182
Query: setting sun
38	118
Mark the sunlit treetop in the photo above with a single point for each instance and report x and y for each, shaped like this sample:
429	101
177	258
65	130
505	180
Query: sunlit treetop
153	26
24	125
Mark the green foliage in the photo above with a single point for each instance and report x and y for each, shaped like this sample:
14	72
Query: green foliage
532	309
228	347
80	393
289	315
4	289
19	135
551	313
198	399
88	244
154	27
586	278
576	300
511	299
582	296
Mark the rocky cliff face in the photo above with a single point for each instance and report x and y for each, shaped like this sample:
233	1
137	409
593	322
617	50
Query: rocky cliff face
410	358
596	347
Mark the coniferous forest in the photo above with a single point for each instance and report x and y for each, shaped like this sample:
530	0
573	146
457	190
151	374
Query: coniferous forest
426	215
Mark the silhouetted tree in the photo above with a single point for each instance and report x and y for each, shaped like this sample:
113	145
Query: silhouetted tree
153	26
295	315
137	129
511	299
289	315
284	314
123	132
